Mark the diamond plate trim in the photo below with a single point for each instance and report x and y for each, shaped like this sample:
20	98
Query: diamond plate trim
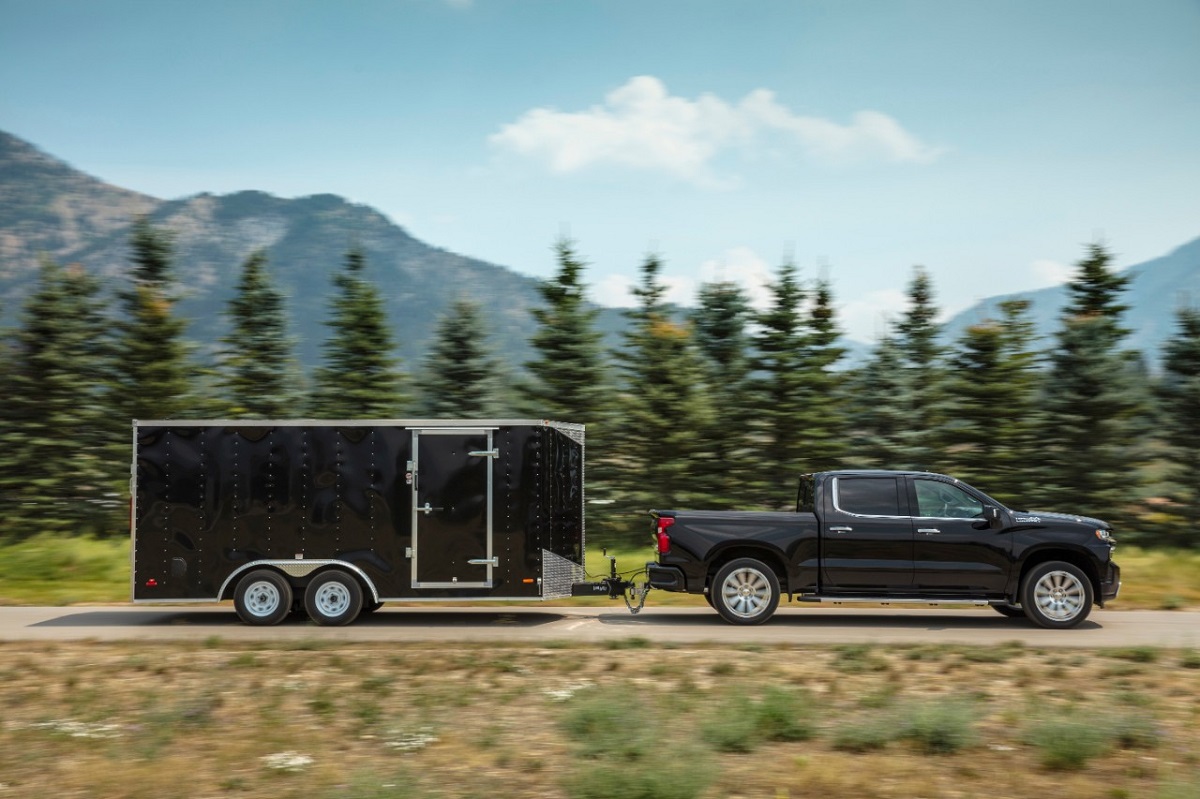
558	574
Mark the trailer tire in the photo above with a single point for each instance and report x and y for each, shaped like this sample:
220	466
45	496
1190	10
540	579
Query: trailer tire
747	591
333	598
262	598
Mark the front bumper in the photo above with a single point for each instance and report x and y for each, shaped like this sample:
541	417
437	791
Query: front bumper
1110	583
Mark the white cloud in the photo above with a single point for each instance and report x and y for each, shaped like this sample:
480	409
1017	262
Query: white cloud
616	291
642	126
743	266
867	318
1050	273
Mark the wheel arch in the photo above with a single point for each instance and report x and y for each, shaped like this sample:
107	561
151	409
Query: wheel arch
298	573
770	557
1080	560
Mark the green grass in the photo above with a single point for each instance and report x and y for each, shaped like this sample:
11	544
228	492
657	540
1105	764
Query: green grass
46	570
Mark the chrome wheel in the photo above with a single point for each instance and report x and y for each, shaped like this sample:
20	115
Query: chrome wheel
1059	595
745	591
1056	595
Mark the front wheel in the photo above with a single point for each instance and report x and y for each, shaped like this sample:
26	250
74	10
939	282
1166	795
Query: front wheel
263	597
1056	595
745	591
333	598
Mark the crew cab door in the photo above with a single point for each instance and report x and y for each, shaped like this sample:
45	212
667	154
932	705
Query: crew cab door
954	549
867	535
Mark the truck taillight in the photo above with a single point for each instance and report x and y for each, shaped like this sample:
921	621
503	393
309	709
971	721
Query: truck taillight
662	543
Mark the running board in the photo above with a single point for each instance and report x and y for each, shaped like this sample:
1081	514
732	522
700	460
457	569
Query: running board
893	600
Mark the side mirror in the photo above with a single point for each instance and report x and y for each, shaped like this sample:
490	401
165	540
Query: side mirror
993	517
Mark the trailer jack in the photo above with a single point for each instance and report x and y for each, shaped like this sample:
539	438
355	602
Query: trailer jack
614	586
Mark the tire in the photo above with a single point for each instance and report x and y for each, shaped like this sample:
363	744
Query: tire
262	598
1056	595
333	598
1012	611
747	591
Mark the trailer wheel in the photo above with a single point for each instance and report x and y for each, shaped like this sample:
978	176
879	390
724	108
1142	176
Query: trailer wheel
747	591
333	598
263	597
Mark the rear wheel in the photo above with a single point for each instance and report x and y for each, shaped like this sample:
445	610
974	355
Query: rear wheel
263	597
746	591
1056	595
333	598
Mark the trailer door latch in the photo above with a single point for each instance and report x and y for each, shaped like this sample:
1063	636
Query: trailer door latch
484	453
494	561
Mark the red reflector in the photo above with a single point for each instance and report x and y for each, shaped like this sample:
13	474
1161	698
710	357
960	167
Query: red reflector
662	544
152	583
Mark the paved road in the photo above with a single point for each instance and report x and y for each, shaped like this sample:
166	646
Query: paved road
541	623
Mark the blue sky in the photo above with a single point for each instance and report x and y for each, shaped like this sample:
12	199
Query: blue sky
986	141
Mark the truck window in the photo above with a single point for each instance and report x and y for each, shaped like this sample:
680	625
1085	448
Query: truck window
869	496
941	500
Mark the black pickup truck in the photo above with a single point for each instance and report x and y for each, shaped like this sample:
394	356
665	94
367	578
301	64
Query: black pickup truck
885	536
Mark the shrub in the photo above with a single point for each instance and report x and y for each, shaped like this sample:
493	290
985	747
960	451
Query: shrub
940	726
1066	742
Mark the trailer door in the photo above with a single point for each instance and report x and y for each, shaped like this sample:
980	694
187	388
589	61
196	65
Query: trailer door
452	508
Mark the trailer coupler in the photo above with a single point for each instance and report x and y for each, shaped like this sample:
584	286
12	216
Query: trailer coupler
614	586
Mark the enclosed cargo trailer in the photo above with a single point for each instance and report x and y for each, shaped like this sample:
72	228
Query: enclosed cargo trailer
338	517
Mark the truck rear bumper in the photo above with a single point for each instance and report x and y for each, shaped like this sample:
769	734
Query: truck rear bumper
666	578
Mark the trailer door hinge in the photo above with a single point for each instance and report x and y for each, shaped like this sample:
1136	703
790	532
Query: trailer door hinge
484	453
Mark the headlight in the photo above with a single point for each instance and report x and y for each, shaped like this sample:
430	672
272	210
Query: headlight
1105	535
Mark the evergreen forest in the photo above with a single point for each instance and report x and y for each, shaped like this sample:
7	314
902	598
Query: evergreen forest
720	406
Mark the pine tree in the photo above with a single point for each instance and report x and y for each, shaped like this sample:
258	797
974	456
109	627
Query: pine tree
917	334
258	375
993	406
720	322
152	376
360	377
659	452
781	346
824	419
1092	398
1179	395
459	376
567	378
56	473
879	405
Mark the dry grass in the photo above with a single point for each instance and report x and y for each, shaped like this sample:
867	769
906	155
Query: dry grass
210	719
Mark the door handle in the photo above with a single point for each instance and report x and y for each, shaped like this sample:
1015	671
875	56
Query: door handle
428	510
841	529
928	530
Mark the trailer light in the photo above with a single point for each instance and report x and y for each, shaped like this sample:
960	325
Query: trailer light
152	583
662	543
528	581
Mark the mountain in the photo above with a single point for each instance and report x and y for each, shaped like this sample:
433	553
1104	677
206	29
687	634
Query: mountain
49	209
1155	290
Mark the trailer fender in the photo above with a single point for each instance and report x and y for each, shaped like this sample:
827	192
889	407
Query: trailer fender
299	569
